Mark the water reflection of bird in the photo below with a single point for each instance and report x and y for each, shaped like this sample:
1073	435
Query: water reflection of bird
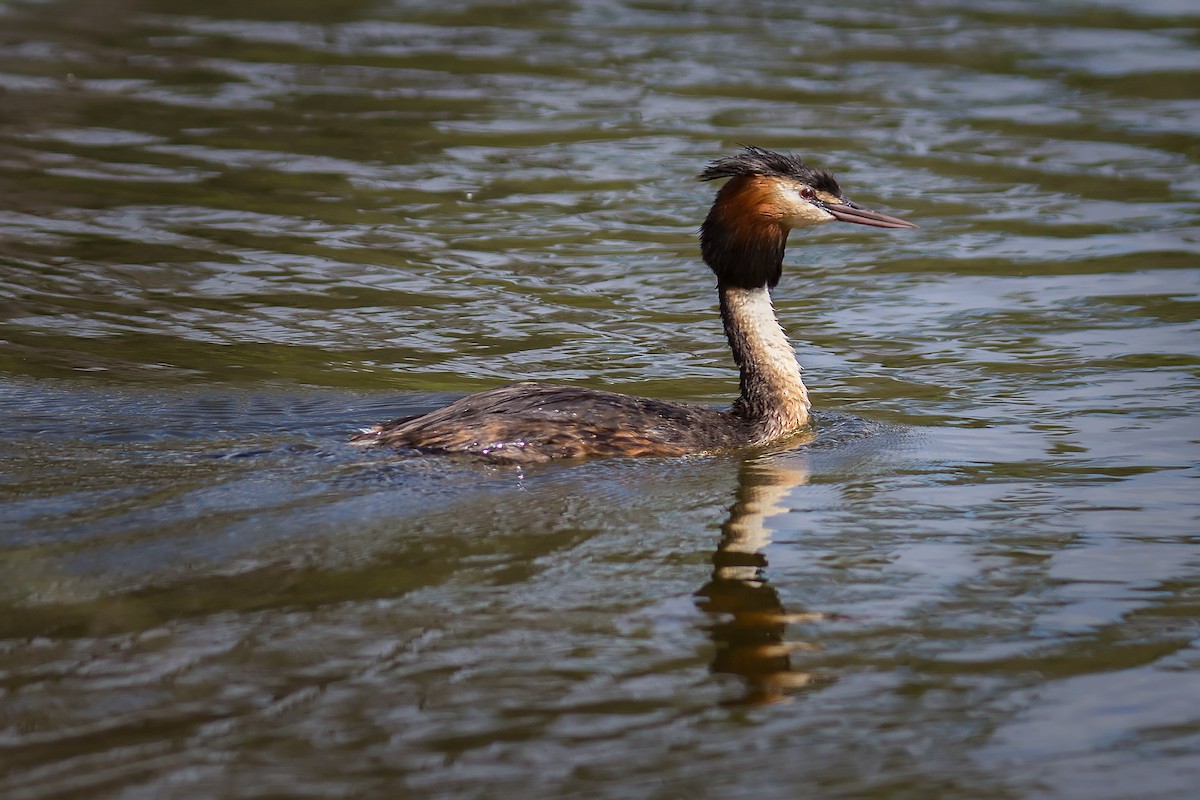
742	241
750	622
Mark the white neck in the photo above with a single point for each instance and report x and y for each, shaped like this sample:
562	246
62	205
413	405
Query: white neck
773	396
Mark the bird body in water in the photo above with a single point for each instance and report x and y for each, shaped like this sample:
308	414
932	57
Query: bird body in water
742	240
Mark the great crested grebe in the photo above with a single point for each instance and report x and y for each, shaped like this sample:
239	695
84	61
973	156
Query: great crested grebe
742	240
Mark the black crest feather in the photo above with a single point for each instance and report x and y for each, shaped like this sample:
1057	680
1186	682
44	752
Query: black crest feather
759	161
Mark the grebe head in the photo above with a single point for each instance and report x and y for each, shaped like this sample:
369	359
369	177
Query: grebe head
744	236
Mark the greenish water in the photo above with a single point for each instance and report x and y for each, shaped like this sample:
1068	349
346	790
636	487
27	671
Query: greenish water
232	234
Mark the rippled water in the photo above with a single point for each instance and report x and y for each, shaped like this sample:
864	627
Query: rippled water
233	233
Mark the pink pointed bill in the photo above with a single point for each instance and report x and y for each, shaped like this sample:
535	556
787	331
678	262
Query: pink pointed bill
852	212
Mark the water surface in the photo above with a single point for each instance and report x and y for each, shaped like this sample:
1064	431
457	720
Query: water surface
231	235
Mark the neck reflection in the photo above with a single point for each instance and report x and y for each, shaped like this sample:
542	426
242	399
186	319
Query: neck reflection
750	623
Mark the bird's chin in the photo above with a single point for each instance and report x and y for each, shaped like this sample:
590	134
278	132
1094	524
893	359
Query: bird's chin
809	220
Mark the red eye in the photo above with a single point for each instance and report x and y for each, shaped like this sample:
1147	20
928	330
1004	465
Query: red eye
807	192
